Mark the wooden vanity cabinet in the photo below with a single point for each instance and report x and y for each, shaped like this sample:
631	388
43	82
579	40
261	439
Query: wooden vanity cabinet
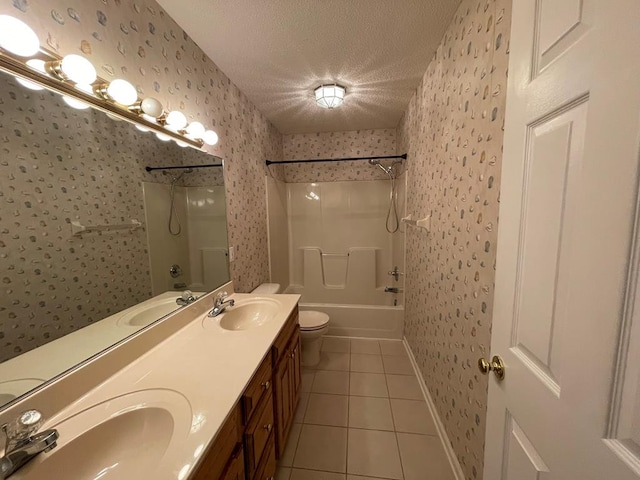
288	378
256	431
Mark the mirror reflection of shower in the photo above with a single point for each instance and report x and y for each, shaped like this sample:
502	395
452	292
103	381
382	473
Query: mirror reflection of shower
392	223
172	209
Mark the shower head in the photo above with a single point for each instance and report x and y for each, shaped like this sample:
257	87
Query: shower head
387	170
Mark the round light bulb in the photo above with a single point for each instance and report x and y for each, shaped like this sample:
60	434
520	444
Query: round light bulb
182	144
176	120
78	69
151	107
142	128
85	87
37	64
113	117
210	137
29	84
163	137
122	92
75	103
17	37
195	130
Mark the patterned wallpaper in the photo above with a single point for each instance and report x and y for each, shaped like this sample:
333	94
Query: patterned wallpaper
453	133
357	143
137	40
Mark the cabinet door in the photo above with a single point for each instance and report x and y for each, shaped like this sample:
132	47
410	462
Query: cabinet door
235	469
283	401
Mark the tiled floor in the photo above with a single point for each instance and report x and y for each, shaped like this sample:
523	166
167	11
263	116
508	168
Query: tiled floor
362	416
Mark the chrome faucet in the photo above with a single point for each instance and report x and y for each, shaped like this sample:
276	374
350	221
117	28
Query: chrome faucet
395	273
220	304
391	290
23	443
186	298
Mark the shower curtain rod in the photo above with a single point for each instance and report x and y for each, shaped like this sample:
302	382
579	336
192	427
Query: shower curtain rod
345	159
185	167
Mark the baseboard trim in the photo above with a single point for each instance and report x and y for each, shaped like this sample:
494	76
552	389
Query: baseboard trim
442	433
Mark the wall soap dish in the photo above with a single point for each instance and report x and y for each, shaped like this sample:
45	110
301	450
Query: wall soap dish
424	223
77	229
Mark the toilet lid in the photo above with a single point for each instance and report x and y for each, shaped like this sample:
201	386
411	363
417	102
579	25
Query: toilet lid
312	320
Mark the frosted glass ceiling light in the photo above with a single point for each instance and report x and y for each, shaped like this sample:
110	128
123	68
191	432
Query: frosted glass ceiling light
29	84
210	137
163	136
151	107
182	144
75	68
17	37
195	130
330	96
122	92
176	120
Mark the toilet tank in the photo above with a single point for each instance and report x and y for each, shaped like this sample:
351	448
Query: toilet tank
267	288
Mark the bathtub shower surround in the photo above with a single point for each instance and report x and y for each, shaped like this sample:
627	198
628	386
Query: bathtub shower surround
453	133
138	40
200	249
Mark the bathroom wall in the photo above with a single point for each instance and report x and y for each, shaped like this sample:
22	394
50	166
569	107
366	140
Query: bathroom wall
357	143
138	41
452	131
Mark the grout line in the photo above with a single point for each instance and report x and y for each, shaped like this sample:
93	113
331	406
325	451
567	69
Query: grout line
395	434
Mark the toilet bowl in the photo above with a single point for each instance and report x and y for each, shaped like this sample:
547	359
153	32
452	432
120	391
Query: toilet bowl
313	325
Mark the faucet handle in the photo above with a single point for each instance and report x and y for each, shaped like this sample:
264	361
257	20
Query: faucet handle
25	425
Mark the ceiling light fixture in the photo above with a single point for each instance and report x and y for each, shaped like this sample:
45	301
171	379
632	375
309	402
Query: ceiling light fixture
330	96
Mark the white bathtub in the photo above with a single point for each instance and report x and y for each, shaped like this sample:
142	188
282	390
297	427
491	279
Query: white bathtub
372	321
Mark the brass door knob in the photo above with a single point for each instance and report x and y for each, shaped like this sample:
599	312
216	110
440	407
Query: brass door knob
496	366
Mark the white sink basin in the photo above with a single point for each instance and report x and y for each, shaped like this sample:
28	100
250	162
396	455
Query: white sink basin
245	315
122	438
14	388
143	315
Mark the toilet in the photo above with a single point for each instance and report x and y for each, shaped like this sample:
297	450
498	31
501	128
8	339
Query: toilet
313	325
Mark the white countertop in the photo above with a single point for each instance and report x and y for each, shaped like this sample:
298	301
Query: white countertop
208	368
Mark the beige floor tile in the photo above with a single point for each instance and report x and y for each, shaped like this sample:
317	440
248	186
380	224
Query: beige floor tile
362	345
412	416
333	361
326	409
423	458
283	473
307	380
322	448
336	344
301	408
368	385
398	365
367	363
392	347
290	448
370	412
359	477
404	386
315	475
331	382
372	452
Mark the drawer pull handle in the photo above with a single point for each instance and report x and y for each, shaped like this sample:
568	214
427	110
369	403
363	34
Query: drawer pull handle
268	427
266	385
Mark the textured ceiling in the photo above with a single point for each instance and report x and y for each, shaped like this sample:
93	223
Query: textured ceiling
277	51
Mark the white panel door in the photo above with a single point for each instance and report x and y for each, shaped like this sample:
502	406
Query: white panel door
565	321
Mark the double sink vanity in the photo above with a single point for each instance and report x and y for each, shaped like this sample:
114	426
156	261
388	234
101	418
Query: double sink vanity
191	396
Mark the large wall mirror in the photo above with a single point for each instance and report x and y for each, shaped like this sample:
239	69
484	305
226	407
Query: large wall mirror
92	246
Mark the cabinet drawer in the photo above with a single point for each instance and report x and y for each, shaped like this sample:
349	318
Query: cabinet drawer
261	384
282	341
267	468
258	433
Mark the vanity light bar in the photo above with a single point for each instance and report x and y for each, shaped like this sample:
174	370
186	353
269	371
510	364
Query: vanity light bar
116	101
